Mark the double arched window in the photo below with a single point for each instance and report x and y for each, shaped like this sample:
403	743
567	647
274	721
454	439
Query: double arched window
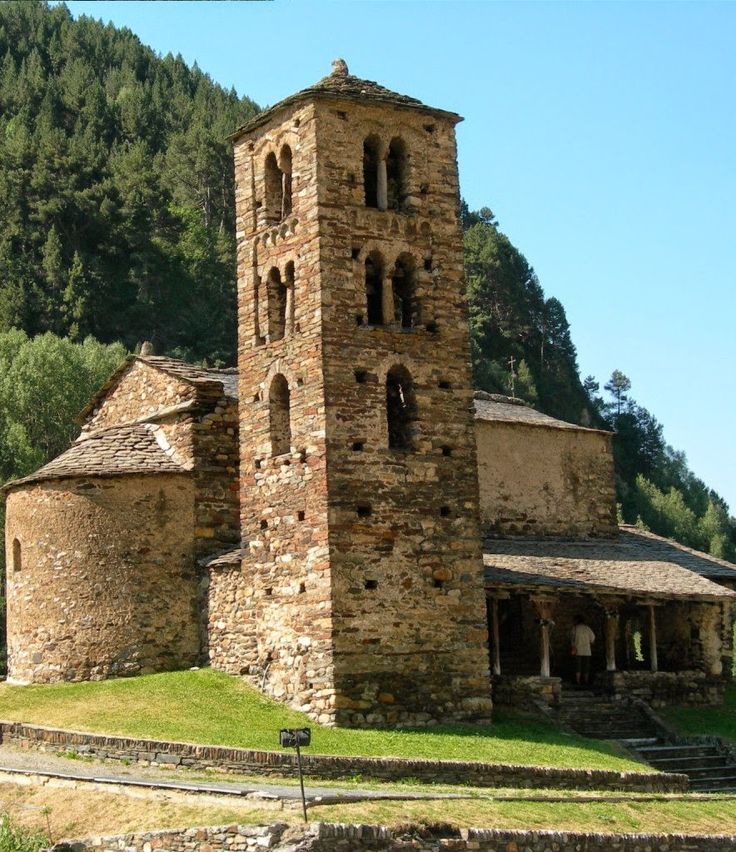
279	303
395	304
385	173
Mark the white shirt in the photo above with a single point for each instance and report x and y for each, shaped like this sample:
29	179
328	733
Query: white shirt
582	638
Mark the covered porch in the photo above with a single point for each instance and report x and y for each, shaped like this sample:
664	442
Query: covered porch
663	630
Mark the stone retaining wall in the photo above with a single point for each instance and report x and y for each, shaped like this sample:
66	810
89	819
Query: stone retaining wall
269	763
661	689
324	837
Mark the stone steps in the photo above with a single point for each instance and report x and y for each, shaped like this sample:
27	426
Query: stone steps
601	718
708	766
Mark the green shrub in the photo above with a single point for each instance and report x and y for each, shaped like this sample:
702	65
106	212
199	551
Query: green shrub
15	838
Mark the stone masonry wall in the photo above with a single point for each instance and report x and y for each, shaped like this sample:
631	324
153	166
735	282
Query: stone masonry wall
272	618
106	584
326	837
316	766
140	392
407	592
538	481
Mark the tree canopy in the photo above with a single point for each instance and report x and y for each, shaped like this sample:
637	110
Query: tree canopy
117	184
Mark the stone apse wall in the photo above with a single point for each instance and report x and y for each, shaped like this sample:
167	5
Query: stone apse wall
105	583
362	578
540	481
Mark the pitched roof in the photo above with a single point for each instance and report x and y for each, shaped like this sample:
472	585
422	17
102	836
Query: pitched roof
119	450
631	565
341	85
201	378
506	409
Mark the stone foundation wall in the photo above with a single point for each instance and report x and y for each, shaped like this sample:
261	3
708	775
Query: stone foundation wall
539	481
107	583
660	689
280	764
325	837
527	693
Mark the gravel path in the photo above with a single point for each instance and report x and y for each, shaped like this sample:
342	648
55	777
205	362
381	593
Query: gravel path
81	769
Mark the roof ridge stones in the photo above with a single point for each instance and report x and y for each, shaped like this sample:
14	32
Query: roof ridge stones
340	84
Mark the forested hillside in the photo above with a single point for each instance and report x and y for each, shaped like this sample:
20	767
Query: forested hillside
116	183
117	226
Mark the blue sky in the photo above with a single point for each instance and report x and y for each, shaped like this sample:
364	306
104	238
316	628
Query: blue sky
603	136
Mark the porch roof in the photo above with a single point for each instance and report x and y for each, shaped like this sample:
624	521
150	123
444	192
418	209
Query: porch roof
634	565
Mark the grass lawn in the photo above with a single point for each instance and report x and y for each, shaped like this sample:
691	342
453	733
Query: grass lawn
706	721
213	708
64	812
74	812
670	817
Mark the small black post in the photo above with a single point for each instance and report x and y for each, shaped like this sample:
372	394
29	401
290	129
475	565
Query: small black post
301	780
296	738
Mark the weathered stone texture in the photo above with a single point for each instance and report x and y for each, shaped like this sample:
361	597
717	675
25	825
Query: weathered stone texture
541	481
140	392
362	575
110	533
106	582
326	837
285	764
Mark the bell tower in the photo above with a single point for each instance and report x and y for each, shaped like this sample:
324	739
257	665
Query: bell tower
362	578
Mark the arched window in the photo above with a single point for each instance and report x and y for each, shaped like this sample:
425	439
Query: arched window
400	408
17	556
276	305
285	166
274	188
403	280
280	422
371	157
374	288
396	174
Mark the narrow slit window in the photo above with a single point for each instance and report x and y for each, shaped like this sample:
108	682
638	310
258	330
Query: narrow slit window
274	188
285	169
396	174
400	408
403	281
374	288
280	416
277	297
17	555
371	158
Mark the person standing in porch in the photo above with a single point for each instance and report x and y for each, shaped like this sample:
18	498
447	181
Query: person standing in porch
582	638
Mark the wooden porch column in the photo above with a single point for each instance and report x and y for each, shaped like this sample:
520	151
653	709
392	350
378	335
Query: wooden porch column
611	632
545	608
496	637
653	639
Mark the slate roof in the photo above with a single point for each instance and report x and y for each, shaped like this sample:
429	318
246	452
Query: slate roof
232	557
341	85
505	409
634	565
119	450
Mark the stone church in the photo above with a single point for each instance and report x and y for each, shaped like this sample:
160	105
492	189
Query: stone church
341	519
